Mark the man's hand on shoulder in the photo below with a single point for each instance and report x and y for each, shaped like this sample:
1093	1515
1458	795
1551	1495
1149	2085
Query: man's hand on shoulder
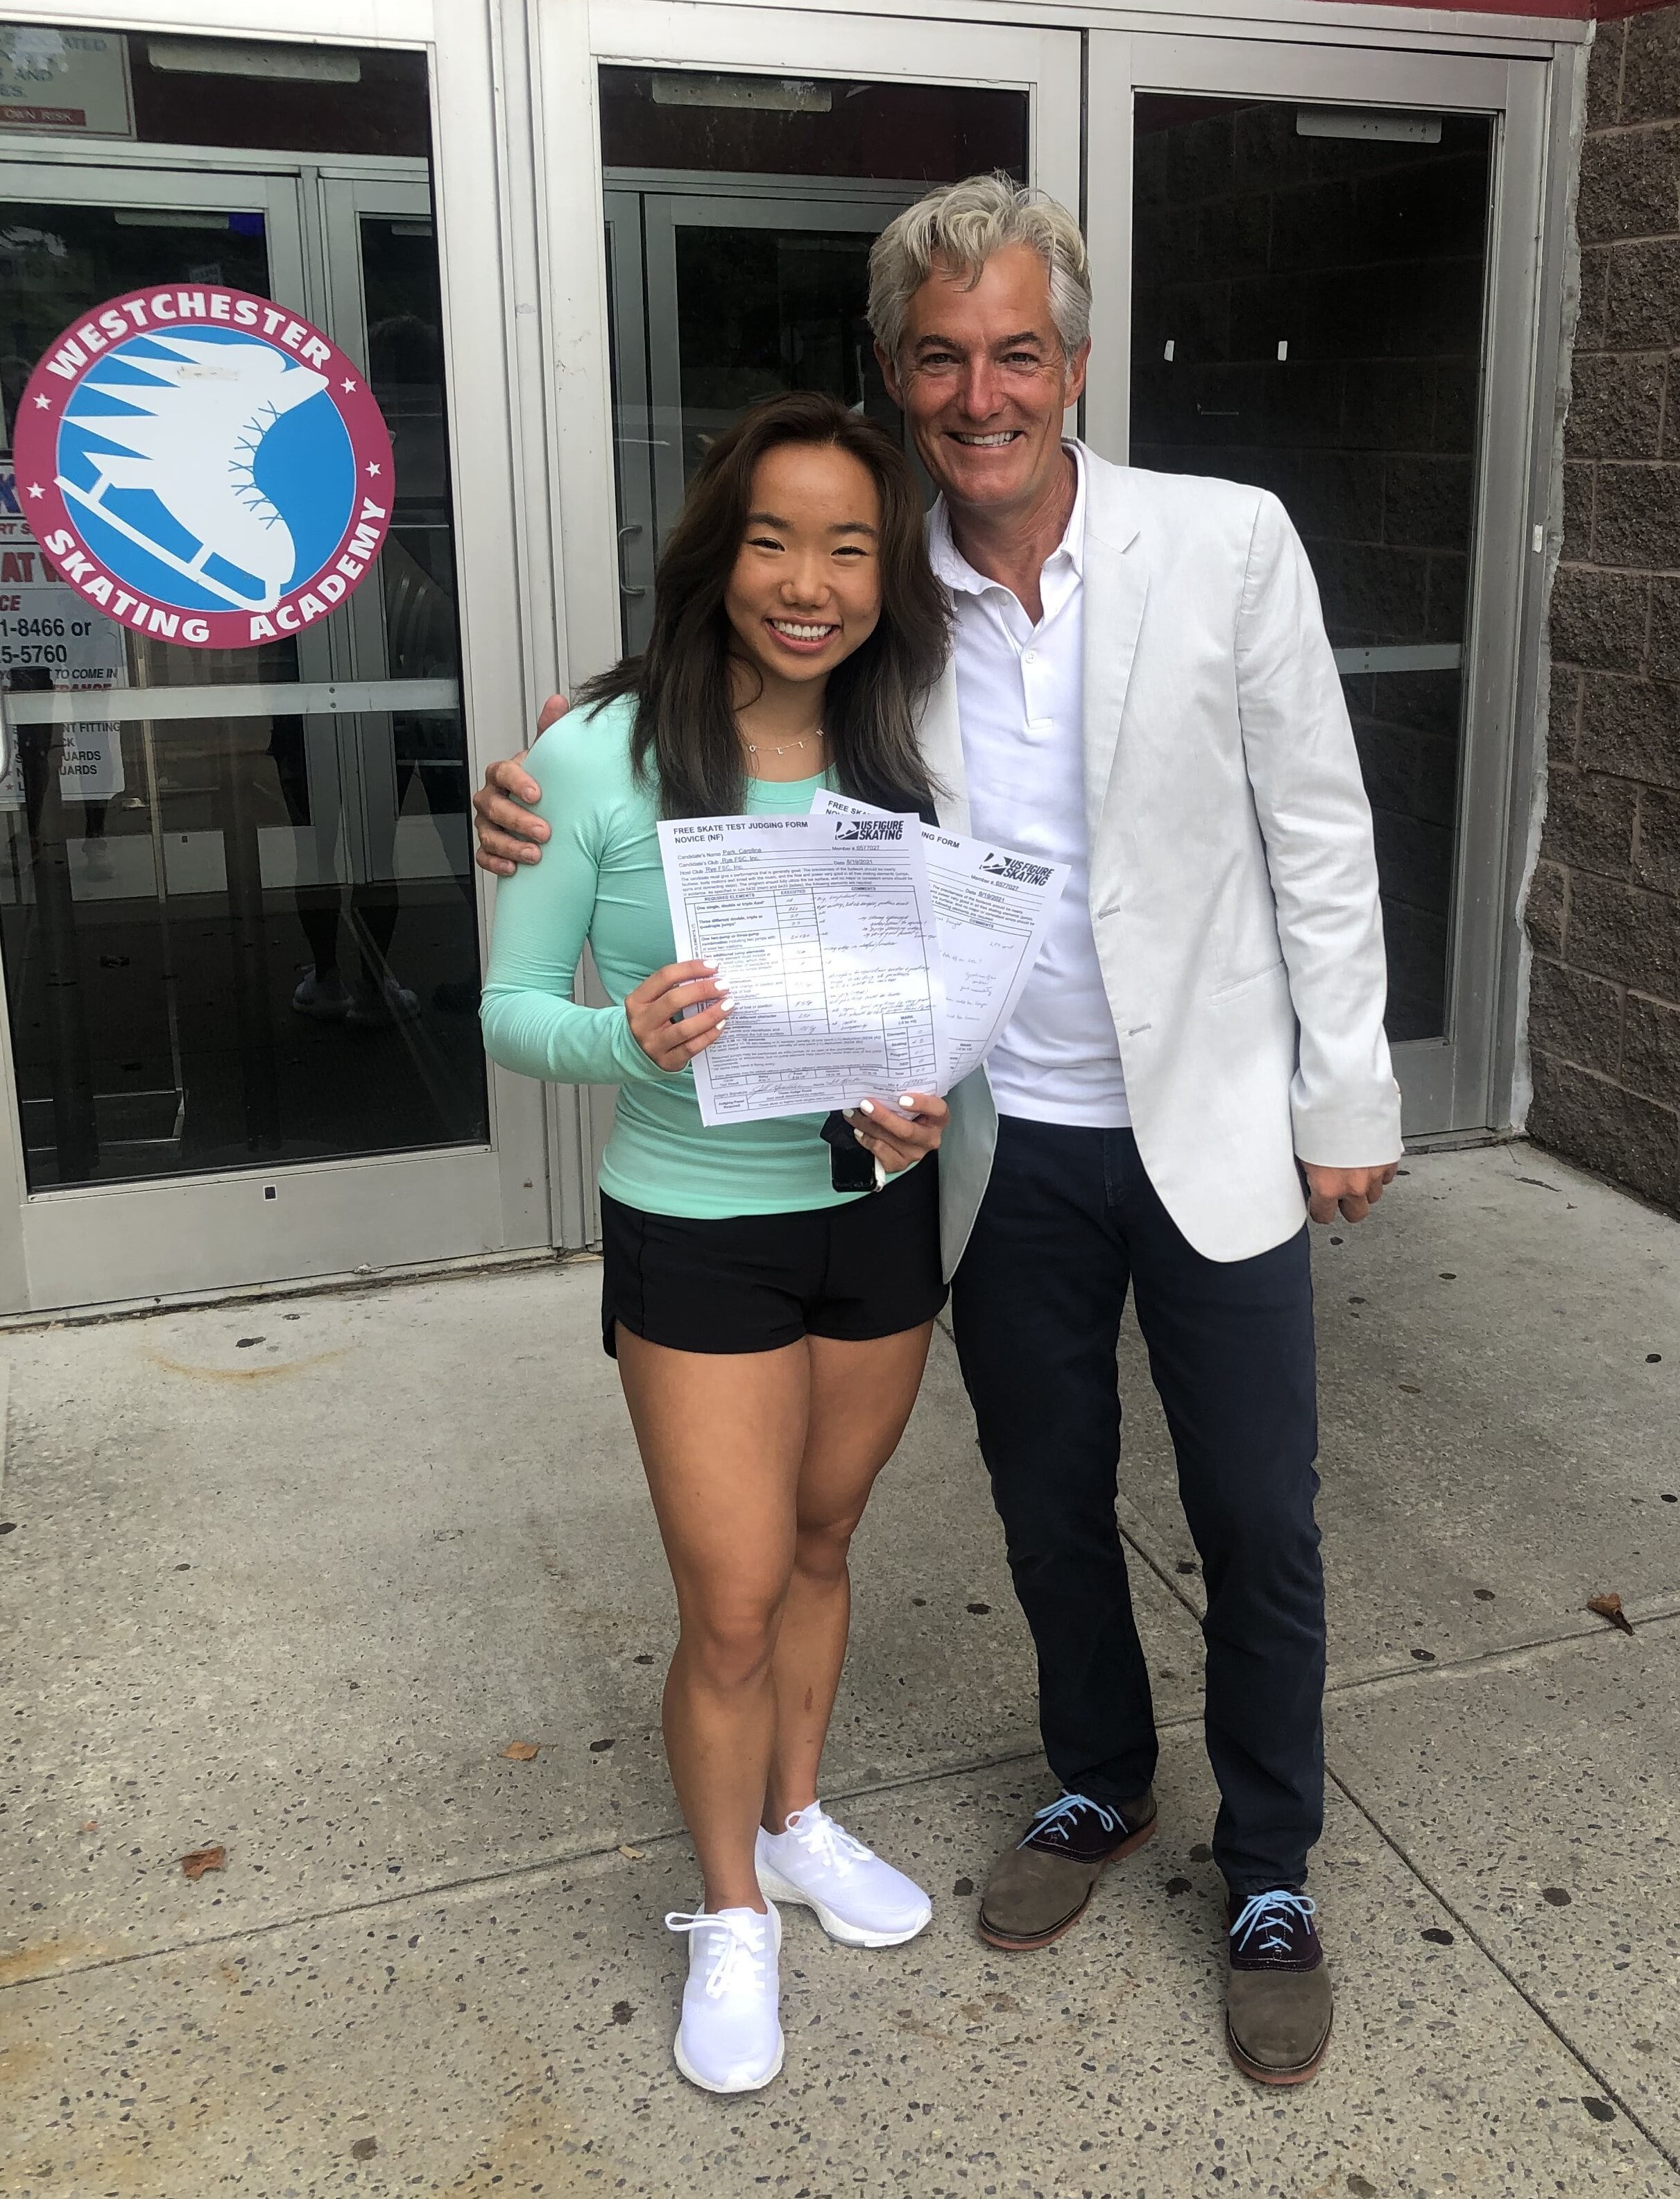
507	835
1350	1191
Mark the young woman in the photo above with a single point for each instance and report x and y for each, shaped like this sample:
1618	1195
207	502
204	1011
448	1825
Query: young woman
770	1330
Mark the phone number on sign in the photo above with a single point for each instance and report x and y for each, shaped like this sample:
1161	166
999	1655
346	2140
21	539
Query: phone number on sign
44	629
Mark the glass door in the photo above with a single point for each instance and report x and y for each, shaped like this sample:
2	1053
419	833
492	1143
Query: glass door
1333	299
237	911
727	289
748	158
112	828
740	210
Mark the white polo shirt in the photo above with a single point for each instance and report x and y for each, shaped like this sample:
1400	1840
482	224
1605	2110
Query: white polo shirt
1020	700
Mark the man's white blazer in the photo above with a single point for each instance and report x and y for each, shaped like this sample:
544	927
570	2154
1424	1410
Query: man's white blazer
1234	885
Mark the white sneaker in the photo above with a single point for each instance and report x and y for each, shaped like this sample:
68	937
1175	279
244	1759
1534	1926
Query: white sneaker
375	1007
327	999
730	2038
859	1899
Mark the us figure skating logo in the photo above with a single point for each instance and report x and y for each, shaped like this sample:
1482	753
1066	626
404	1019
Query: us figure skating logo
204	465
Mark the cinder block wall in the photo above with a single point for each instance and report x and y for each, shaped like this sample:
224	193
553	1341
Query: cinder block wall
1604	909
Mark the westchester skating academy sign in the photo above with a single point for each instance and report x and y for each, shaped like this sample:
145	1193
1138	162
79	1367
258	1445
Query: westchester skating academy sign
204	466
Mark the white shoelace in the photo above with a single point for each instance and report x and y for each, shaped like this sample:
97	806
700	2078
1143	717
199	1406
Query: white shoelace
1270	1914
831	1844
740	1957
1057	1818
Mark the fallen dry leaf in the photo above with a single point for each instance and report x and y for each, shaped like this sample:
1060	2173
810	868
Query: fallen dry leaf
1610	1607
92	1826
202	1859
635	1855
522	1752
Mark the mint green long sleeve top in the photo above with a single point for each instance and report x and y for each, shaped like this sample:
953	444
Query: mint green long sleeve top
600	880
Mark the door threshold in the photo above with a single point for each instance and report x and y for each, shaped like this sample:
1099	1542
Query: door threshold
1460	1141
297	1287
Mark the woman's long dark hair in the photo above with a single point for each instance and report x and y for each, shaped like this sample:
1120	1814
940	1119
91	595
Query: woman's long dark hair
686	733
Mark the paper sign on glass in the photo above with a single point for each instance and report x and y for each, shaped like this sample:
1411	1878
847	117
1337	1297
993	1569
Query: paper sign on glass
823	929
992	910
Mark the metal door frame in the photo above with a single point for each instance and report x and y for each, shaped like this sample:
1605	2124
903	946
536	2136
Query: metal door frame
149	1238
366	769
1454	1083
632	415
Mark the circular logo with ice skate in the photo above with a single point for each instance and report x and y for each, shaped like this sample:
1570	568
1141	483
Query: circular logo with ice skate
204	465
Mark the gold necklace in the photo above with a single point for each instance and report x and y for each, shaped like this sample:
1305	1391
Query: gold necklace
752	746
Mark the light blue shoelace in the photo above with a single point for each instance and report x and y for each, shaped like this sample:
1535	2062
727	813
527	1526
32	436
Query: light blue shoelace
1057	1818
1266	1916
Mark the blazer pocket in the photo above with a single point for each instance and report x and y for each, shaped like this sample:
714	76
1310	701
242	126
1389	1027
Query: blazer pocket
1235	991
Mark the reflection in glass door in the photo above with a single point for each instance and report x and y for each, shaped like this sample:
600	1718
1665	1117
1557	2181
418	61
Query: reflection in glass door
740	295
112	822
1308	314
740	215
237	931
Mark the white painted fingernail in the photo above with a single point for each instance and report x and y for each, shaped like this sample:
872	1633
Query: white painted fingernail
706	964
726	1007
867	1105
906	1098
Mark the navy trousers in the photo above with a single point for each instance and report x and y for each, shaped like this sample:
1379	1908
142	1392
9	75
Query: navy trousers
1068	1223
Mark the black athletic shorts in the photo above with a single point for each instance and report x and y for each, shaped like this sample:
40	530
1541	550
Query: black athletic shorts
754	1282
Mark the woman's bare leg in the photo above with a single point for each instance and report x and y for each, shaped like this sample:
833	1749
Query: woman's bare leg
721	1438
861	1397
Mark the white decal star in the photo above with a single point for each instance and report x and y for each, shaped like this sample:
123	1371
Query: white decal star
44	405
347	385
36	489
372	468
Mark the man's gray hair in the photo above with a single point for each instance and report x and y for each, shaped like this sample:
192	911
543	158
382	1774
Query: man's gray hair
958	227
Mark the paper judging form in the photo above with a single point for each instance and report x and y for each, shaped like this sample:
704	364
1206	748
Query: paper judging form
992	910
823	927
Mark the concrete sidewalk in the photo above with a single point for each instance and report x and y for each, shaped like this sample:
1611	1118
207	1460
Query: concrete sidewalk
288	1577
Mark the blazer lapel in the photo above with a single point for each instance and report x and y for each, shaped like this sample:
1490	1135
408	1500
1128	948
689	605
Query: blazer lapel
942	751
1117	584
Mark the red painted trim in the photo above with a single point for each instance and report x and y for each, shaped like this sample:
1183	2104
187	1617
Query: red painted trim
1573	11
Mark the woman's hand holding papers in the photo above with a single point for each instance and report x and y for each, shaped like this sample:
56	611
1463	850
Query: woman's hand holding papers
678	1013
902	1133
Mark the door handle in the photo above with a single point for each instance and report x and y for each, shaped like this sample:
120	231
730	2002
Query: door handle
624	533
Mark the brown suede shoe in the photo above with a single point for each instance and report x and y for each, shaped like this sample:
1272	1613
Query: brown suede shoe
1277	2005
1038	1887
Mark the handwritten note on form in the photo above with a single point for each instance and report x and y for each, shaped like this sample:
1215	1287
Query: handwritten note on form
824	927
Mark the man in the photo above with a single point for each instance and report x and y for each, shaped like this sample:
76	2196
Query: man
1142	688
